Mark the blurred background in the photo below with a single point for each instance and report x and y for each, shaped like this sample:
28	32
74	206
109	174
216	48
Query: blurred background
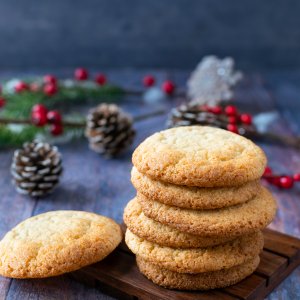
260	35
113	45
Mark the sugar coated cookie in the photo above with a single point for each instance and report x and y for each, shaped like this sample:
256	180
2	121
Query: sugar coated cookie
164	235
193	197
230	221
201	281
57	242
199	156
198	260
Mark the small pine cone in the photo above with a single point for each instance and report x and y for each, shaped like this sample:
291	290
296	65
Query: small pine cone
188	115
109	130
36	169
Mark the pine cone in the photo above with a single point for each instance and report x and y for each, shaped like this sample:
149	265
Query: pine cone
188	115
192	114
109	130
36	169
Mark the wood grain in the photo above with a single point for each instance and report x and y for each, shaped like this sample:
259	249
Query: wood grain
93	183
119	272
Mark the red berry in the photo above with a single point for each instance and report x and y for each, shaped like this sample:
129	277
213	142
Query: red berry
217	110
246	119
38	118
231	110
296	177
233	128
268	171
232	120
286	182
21	86
81	74
39	108
50	79
268	176
2	102
54	117
50	89
168	87
100	79
148	80
275	180
56	129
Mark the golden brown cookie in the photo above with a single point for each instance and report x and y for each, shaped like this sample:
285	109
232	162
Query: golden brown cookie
164	235
199	156
230	221
201	281
193	197
57	242
198	260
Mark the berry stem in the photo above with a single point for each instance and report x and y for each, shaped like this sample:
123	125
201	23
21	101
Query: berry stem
7	121
149	115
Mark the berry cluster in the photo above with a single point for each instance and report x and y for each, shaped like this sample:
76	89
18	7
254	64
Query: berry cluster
50	85
281	181
40	117
2	99
167	86
82	74
231	116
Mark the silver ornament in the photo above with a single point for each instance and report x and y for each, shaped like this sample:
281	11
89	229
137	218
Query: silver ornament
212	81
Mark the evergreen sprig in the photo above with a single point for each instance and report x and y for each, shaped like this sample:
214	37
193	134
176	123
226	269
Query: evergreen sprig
19	106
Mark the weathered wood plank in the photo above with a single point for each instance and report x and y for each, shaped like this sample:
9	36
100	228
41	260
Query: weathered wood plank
271	265
95	188
120	272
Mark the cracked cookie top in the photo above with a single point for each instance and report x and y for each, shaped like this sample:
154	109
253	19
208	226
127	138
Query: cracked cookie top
199	156
57	242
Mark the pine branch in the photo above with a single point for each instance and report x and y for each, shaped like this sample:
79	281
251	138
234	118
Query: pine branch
10	137
70	123
19	105
14	131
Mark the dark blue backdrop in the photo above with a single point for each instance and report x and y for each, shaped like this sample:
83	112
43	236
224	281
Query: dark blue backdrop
139	33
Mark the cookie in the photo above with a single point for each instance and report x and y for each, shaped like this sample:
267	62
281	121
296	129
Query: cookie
57	242
199	156
198	260
193	197
164	235
201	281
230	221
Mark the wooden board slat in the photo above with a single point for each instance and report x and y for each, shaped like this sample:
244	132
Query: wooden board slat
119	272
288	247
250	288
284	238
103	186
271	265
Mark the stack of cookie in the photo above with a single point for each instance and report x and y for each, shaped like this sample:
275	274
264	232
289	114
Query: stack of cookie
196	221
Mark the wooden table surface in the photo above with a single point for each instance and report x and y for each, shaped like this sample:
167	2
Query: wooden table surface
95	184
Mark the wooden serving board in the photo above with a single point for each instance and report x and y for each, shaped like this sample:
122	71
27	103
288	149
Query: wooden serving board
119	276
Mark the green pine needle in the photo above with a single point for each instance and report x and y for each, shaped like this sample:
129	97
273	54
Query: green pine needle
9	137
19	106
